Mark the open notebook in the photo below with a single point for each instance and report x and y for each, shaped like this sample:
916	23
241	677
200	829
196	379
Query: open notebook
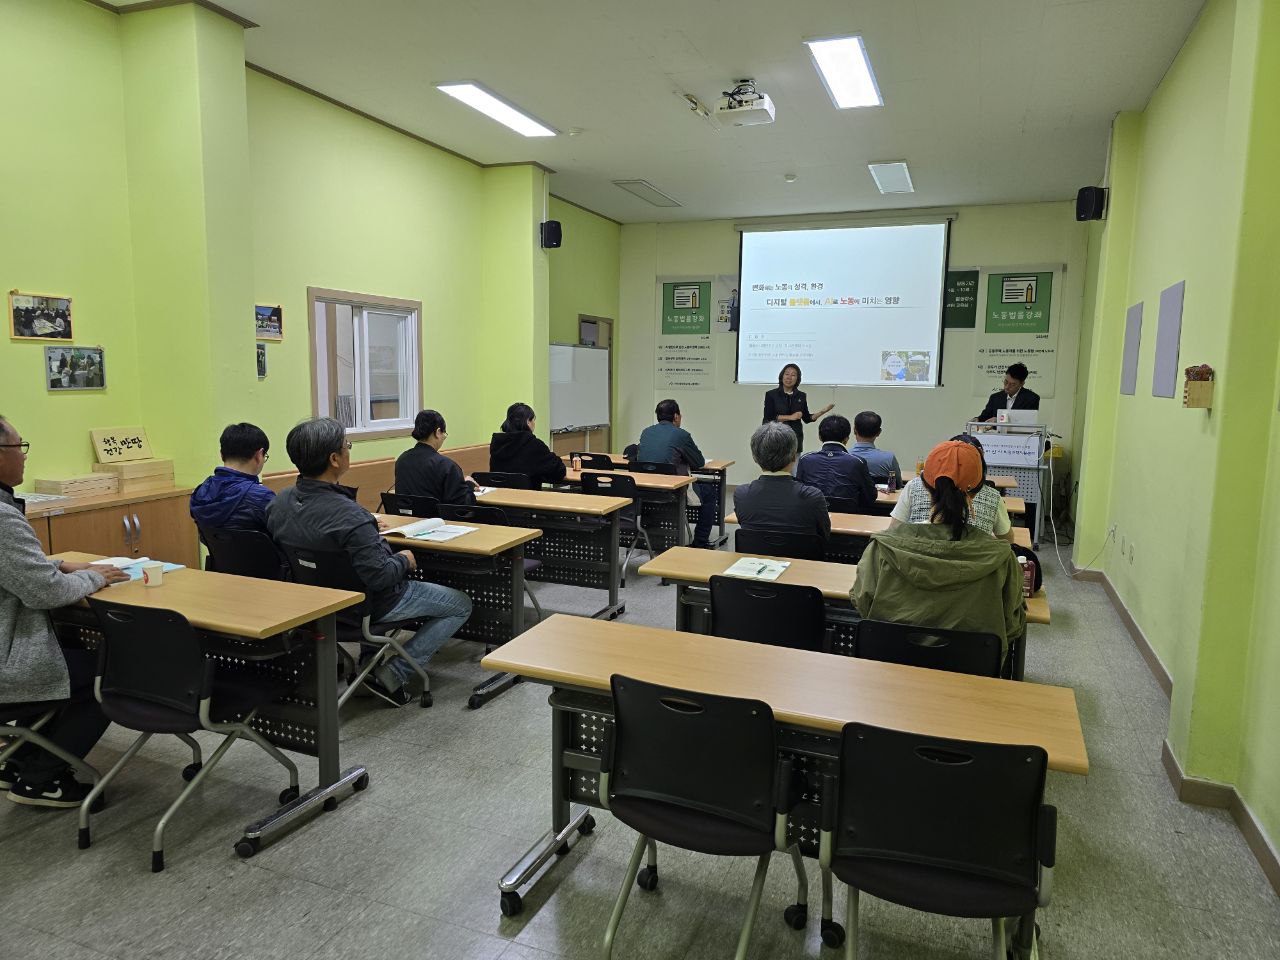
758	568
133	565
433	530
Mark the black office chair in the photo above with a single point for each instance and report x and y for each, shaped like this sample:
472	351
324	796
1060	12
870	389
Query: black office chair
243	553
844	505
512	481
620	485
405	505
21	723
595	461
778	614
943	826
330	568
154	677
702	773
796	546
650	466
955	650
468	513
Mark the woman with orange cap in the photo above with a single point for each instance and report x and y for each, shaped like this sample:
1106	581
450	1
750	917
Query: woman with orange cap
945	573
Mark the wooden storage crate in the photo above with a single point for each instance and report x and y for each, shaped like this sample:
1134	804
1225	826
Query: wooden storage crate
87	485
140	476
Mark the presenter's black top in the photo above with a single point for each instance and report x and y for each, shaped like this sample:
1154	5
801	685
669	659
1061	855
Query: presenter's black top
777	402
521	452
422	471
1024	399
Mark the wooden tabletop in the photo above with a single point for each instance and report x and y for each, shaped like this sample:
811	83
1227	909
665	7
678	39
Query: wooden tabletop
691	565
1003	483
818	691
716	466
552	500
644	481
81	504
865	524
240	606
488	540
1015	505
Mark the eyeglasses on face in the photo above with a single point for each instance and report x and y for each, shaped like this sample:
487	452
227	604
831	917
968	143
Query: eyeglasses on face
24	446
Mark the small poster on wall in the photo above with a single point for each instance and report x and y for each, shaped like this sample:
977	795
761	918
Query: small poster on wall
75	368
37	316
262	361
1017	327
269	322
685	354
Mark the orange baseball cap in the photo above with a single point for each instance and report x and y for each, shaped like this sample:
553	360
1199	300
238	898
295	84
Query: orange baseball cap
958	461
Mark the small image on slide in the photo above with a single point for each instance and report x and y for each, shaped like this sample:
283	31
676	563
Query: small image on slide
906	366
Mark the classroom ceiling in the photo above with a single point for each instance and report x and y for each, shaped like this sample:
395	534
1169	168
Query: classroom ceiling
989	101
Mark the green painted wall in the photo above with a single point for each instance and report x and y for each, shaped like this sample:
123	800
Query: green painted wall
584	271
64	198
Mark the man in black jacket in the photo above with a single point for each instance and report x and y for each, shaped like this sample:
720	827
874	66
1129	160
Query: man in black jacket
833	469
318	513
423	471
775	502
1013	397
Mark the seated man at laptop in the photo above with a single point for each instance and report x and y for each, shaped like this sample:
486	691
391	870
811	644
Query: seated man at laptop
423	471
880	463
234	497
833	469
1014	396
667	442
318	513
775	502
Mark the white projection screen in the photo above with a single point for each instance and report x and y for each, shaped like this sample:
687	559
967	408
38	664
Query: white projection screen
851	305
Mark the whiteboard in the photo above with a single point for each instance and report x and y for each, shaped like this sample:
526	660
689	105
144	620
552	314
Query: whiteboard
579	386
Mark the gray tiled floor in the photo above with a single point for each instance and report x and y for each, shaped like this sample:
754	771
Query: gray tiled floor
409	868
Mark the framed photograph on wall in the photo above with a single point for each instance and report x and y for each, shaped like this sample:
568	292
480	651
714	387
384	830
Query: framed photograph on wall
262	361
75	368
38	316
269	322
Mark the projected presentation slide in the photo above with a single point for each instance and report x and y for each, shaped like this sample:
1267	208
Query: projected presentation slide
854	305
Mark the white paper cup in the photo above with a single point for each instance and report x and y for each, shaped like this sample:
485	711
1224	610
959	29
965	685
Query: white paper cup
152	574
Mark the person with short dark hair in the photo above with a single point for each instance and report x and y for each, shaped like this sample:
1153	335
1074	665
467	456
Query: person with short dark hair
423	471
318	513
775	502
788	404
234	497
833	469
515	448
668	442
881	464
945	573
1014	396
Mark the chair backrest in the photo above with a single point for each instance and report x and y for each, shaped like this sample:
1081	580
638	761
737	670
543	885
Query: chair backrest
844	505
975	808
616	484
150	654
712	754
956	650
513	481
595	461
796	546
244	553
779	614
650	466
327	568
410	506
462	513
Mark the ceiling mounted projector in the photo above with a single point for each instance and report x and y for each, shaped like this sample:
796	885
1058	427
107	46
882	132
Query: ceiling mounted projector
744	106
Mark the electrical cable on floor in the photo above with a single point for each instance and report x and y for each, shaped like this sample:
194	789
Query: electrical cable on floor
1054	526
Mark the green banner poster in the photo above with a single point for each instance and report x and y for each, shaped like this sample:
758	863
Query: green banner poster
686	307
1018	302
960	299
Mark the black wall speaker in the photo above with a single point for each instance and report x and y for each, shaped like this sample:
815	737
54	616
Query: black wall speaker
1091	203
550	234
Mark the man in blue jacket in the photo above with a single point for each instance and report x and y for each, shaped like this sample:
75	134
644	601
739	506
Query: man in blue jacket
234	497
667	442
834	470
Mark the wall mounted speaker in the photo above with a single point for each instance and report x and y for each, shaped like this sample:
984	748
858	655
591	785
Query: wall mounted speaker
550	234
1091	203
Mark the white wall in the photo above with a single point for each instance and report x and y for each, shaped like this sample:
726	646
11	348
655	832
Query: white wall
721	419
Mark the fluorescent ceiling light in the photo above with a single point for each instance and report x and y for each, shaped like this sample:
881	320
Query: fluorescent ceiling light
648	192
845	70
892	176
476	96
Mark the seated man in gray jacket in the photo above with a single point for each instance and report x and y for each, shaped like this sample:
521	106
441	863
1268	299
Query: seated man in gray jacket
318	513
776	502
33	667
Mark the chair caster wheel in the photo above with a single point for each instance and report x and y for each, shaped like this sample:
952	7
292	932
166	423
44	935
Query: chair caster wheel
190	770
796	916
330	804
288	795
475	702
246	847
360	783
647	878
832	934
587	826
426	700
511	905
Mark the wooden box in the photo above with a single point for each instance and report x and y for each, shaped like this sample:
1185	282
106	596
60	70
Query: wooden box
88	485
137	469
1197	393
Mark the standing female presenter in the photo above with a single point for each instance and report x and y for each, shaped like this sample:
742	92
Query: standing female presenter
788	404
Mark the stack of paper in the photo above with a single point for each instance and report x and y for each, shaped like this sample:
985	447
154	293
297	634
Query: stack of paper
481	491
133	565
758	568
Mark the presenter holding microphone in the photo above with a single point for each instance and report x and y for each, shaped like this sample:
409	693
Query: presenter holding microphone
788	404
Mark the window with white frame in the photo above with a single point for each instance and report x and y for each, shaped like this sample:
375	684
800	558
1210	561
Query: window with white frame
365	362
